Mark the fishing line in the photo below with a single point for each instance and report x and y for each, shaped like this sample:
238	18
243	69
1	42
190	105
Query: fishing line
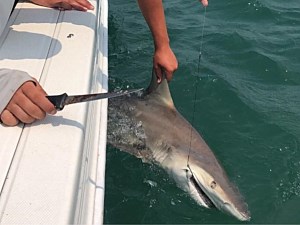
201	43
196	86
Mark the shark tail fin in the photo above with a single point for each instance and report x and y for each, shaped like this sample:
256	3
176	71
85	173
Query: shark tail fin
160	91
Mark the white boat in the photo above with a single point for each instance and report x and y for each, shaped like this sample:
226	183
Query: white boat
53	171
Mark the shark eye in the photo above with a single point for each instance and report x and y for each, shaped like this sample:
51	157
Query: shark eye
213	184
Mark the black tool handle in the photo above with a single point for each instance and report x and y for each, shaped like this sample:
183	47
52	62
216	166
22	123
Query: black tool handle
58	100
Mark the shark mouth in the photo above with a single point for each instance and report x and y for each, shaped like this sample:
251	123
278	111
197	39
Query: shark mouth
206	200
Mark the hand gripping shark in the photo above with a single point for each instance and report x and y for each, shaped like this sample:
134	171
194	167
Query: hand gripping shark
148	126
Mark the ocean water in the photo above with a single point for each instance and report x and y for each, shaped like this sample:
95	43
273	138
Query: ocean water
246	107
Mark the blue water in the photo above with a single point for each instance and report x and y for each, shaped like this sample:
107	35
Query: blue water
247	107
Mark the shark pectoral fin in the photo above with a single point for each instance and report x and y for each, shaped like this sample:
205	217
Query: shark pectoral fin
160	91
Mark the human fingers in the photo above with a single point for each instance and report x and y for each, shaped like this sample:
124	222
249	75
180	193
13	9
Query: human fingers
8	118
78	7
160	72
204	2
37	103
19	113
58	4
26	105
165	59
29	103
82	5
63	6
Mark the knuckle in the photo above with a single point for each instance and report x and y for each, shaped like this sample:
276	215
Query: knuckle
27	85
17	95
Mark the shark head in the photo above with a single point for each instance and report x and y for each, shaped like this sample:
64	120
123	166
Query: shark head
206	183
216	190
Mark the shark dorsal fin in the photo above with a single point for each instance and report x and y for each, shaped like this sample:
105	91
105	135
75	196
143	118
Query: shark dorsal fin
160	91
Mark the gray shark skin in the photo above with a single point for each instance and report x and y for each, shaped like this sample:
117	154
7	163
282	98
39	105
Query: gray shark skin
148	126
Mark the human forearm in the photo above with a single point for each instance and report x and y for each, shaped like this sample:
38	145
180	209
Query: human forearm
153	12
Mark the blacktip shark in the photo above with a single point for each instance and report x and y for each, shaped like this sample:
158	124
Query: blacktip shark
148	126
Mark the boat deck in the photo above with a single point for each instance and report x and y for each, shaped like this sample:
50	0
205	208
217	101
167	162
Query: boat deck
52	171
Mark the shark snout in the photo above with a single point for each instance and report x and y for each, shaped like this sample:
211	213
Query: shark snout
241	215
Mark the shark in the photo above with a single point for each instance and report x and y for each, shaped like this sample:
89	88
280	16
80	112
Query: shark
147	125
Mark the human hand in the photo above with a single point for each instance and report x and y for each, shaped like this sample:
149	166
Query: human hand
204	2
27	105
81	5
164	61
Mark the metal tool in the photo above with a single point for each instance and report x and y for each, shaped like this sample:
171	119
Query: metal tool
59	101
